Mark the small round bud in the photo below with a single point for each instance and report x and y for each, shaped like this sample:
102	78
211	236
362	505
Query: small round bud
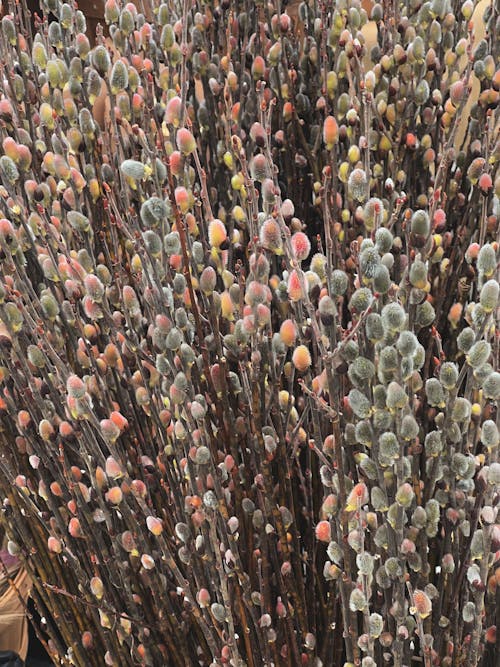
259	168
173	111
100	59
109	430
363	368
203	597
208	280
388	359
202	456
373	215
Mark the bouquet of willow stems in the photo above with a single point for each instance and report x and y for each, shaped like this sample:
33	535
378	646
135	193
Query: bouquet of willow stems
249	349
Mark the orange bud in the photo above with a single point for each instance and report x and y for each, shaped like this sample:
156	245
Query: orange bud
301	358
330	132
323	531
288	333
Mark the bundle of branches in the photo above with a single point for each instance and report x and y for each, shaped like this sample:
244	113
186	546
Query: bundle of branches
249	352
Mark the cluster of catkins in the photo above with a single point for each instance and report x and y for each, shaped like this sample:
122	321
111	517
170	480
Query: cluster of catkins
248	343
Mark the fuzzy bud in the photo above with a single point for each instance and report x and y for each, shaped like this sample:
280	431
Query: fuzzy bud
425	314
491	386
422	604
330	132
75	387
489	296
360	300
218	612
357	600
388	446
375	625
487	260
478	354
217	234
359	403
270	236
465	339
100	59
374	327
393	317
381	279
420	223
301	245
119	77
339	282
301	358
288	332
154	525
489	434
185	141
133	169
369	260
418	274
326	308
208	280
405	495
396	397
323	531
448	375
358	185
